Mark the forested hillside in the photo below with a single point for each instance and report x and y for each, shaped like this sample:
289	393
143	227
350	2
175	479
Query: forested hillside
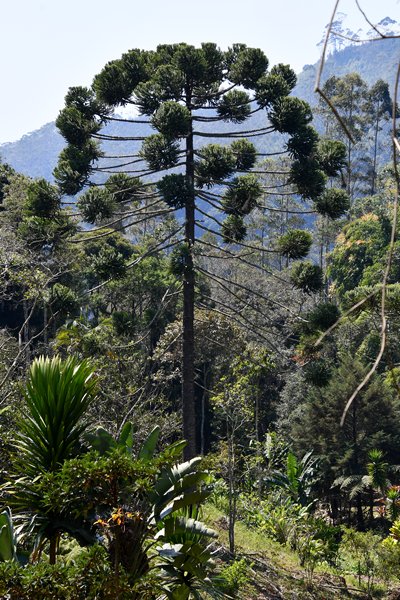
199	384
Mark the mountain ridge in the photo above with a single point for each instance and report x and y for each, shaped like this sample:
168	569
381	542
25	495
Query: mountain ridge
36	153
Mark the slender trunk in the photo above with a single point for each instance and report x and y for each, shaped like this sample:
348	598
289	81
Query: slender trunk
203	412
53	549
375	152
188	397
26	334
371	503
360	514
45	331
257	416
232	492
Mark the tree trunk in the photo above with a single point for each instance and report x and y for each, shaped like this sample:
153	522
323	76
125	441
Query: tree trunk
232	493
45	325
203	412
371	504
53	549
360	514
375	153
188	397
26	334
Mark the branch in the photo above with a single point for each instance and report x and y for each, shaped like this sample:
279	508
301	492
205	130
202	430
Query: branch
318	89
368	21
152	250
241	244
122	227
251	291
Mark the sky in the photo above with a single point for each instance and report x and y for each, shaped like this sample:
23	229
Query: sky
46	46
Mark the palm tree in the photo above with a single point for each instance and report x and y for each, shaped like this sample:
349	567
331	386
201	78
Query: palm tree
377	471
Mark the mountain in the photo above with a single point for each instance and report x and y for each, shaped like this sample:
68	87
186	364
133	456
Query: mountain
372	60
36	153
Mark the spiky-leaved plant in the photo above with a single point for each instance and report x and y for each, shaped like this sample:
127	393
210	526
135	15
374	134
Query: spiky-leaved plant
57	394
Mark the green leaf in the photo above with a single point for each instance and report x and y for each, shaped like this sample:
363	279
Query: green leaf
7	538
146	452
100	440
179	525
126	436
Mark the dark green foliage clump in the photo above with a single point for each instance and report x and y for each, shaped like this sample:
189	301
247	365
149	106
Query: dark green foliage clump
90	575
118	79
245	154
82	116
42	199
178	260
242	195
302	143
233	229
172	120
74	166
6	174
234	106
217	162
122	322
107	256
333	202
361	244
308	177
318	372
247	68
96	205
296	243
107	263
323	316
307	277
64	299
269	88
289	113
123	188
331	156
40	233
174	190
75	127
160	152
287	74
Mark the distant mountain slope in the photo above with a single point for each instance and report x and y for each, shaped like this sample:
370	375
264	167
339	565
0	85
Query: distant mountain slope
36	153
372	60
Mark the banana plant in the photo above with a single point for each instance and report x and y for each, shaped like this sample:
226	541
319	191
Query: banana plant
103	442
298	478
165	518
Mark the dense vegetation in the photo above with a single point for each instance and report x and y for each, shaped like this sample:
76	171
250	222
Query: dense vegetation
216	293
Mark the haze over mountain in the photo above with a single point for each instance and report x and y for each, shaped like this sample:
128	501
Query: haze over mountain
36	153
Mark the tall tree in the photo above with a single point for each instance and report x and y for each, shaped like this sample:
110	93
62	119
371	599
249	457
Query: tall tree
349	96
379	107
185	93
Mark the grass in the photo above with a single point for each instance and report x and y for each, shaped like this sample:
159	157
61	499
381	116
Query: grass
276	571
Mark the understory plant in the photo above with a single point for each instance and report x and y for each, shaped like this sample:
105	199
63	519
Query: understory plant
139	505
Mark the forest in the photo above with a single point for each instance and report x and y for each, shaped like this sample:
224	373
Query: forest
199	339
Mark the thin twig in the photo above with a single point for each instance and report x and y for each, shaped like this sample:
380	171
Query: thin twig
318	89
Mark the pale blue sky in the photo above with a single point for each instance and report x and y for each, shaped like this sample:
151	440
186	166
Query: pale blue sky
48	45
